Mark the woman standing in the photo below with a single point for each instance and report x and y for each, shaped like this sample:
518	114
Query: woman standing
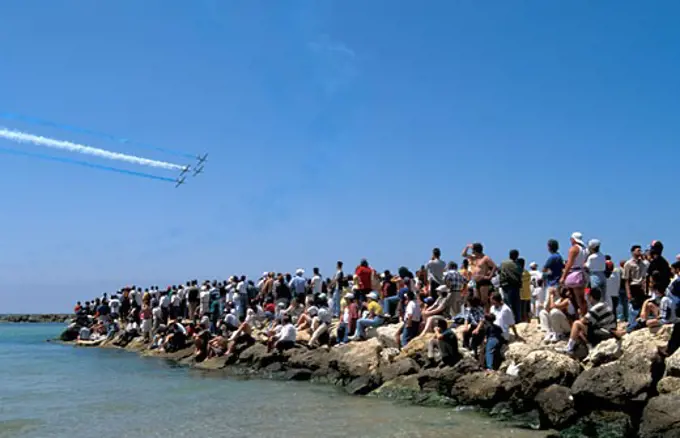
573	276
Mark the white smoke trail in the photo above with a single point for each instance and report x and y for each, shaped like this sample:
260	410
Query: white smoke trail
22	137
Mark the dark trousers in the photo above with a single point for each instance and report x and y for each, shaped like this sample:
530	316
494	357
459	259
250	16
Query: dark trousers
471	341
674	341
512	294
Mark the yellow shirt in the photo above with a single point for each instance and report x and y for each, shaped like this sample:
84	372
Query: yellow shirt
525	293
375	308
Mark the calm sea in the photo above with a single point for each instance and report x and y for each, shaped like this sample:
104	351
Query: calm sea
52	390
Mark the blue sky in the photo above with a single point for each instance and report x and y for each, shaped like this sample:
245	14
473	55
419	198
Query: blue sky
336	130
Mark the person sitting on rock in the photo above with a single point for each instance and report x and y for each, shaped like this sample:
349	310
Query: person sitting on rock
202	341
440	310
446	341
557	315
295	309
373	319
497	324
474	317
246	327
661	308
320	325
597	325
348	321
176	338
412	317
305	320
285	336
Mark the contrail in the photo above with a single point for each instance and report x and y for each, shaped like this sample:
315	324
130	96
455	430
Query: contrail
43	122
84	163
22	137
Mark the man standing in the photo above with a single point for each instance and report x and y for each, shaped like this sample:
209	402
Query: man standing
435	272
297	285
317	282
336	287
511	282
365	275
483	270
659	264
635	276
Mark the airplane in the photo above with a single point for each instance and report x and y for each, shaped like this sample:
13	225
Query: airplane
198	170
185	170
179	181
202	159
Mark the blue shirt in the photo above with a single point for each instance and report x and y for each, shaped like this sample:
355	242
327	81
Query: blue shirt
297	284
555	266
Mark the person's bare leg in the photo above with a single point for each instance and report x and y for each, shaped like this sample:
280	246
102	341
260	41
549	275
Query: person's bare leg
579	294
484	297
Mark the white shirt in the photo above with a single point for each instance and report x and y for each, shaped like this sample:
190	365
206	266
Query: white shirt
324	315
412	310
176	300
539	295
504	319
157	313
345	316
205	300
316	284
114	304
288	333
84	334
614	283
596	262
231	320
241	288
165	301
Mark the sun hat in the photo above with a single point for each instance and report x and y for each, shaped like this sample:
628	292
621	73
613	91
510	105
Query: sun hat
373	296
533	265
593	243
578	238
300	272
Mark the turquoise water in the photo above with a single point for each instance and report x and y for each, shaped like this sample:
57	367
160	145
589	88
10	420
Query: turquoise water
52	390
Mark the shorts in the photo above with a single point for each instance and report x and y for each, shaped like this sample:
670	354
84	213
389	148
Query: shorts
483	282
597	335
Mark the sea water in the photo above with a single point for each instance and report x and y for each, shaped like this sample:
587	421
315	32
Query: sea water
55	390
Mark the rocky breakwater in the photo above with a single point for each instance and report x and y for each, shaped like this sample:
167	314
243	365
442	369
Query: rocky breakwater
36	318
622	388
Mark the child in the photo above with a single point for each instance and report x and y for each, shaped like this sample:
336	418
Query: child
538	295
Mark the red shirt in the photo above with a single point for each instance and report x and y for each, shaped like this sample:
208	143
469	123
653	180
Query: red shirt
270	307
365	275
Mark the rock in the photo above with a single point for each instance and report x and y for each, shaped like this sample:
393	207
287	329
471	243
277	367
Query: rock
356	359
386	334
417	348
605	352
517	351
484	388
69	334
363	385
303	336
601	424
669	385
400	388
173	356
442	379
275	367
298	374
542	368
614	385
401	367
310	359
640	348
253	354
213	363
556	407
661	417
673	364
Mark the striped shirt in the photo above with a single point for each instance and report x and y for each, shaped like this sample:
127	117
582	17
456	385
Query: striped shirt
601	316
668	309
454	280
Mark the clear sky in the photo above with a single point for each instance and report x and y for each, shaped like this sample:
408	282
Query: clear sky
336	130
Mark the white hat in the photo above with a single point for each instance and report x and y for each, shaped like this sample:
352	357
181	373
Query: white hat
593	243
373	296
349	296
265	274
300	272
533	265
313	310
578	238
323	297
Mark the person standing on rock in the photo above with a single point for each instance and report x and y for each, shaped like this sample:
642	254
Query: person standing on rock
483	270
364	273
435	272
574	276
336	286
635	276
317	283
511	282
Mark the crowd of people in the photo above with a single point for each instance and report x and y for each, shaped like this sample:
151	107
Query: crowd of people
578	299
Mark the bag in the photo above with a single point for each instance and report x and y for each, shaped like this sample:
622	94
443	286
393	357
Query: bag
575	279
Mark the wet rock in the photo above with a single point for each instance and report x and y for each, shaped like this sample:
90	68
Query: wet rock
275	367
69	334
298	374
542	368
213	363
556	407
614	385
253	354
310	359
386	334
363	385
661	417
356	359
669	385
401	367
400	388
601	424
484	388
440	380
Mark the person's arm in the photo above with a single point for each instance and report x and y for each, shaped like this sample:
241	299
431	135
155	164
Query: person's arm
627	282
573	251
466	251
493	268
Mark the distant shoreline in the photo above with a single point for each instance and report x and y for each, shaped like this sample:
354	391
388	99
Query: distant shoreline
35	317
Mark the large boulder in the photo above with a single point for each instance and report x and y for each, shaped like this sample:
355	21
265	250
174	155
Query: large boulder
400	388
417	348
400	367
611	386
605	352
640	348
363	385
309	359
484	388
556	407
673	364
661	417
669	385
442	379
601	424
542	368
213	363
386	334
298	374
356	359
